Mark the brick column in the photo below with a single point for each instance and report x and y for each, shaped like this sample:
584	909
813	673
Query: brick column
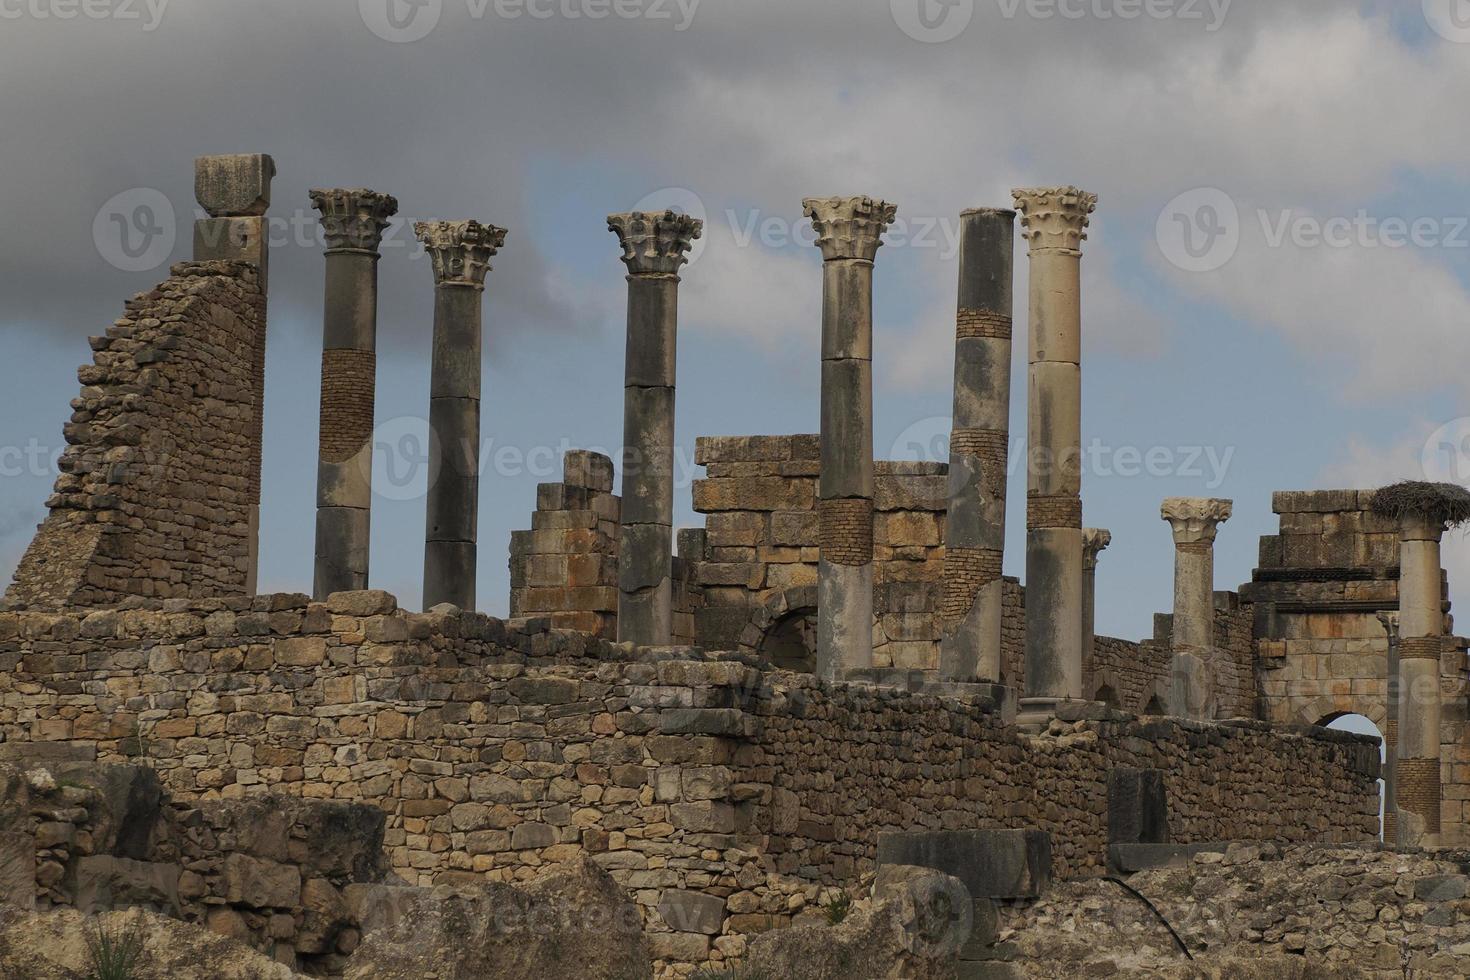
975	523
1095	541
849	231
235	191
353	223
1390	621
1054	221
654	248
1418	784
1195	522
460	252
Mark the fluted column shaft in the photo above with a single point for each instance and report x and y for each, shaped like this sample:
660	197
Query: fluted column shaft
654	248
460	252
235	191
1195	522
1054	222
1418	787
975	523
849	233
353	223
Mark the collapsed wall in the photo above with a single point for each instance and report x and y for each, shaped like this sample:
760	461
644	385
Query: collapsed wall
163	458
723	796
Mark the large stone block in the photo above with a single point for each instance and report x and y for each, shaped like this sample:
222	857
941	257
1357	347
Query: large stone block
234	185
104	883
261	884
990	863
685	911
17	870
1138	808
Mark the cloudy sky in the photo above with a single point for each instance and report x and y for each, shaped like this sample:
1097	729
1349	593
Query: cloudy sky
1275	292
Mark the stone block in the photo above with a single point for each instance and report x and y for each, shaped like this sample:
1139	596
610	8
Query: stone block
1138	807
727	722
592	471
260	884
1131	858
104	883
17	870
695	912
234	185
990	863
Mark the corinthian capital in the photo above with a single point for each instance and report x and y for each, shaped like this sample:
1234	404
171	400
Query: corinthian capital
655	244
1095	540
459	250
353	219
1195	519
849	227
1054	219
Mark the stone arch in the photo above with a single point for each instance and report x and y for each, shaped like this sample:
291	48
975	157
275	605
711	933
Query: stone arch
1321	711
776	627
1105	689
1155	699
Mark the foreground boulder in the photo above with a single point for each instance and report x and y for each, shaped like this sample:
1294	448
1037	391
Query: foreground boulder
56	946
574	922
913	929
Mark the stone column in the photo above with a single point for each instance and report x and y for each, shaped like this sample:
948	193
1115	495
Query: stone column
1095	541
352	222
654	248
1390	621
460	252
1054	221
849	232
1195	522
975	524
1417	786
235	191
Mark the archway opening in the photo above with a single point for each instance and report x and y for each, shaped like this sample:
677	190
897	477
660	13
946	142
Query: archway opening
1107	696
1361	725
791	642
1154	706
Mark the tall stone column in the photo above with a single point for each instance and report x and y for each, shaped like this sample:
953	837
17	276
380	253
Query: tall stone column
975	524
1195	522
1390	621
849	233
1054	221
1095	541
1418	786
655	246
235	191
352	222
460	252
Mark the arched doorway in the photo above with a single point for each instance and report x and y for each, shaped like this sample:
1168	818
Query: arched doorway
1360	725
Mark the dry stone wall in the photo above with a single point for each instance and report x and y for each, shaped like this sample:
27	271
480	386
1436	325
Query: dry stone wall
727	799
163	456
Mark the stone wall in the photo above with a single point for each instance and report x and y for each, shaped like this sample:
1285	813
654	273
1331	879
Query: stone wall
163	458
725	798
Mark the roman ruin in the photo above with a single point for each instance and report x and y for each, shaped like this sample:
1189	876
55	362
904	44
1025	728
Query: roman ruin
825	735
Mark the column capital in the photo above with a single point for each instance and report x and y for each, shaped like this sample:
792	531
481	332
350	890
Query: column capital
460	250
849	227
655	243
1054	219
1095	540
353	218
1195	519
1390	621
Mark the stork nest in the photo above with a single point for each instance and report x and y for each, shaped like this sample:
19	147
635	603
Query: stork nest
1444	503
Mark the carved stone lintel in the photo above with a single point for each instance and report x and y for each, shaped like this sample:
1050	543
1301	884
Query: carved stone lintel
1196	519
655	244
1095	540
1054	218
849	227
460	250
353	219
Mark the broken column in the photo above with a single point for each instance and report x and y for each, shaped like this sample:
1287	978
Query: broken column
1390	621
975	524
460	252
1195	522
849	233
352	223
654	248
235	191
1054	221
1095	541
